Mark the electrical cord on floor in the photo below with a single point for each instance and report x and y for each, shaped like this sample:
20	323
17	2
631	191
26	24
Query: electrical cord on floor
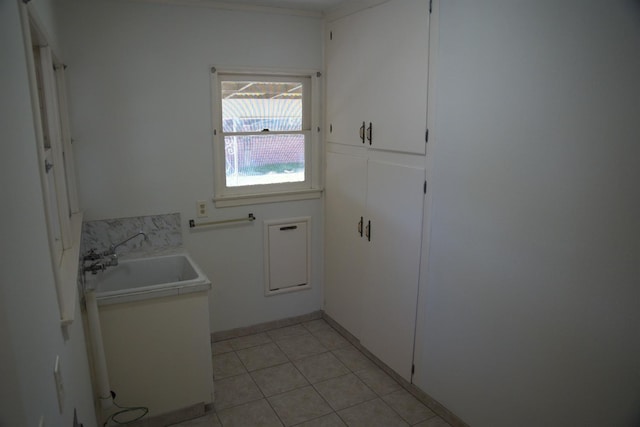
125	410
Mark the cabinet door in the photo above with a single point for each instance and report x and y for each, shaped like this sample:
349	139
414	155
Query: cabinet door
344	80
394	205
344	198
396	49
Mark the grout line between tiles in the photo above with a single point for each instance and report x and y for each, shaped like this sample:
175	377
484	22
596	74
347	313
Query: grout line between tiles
327	350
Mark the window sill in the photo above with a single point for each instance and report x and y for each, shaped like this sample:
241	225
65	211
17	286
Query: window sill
254	199
68	273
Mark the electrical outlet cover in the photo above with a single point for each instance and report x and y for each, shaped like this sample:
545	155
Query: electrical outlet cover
201	208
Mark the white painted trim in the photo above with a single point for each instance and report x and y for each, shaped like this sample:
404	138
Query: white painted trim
420	346
234	6
54	132
68	273
64	263
312	186
253	199
65	135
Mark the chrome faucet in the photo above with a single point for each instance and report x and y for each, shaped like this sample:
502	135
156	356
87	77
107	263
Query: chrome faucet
108	258
112	248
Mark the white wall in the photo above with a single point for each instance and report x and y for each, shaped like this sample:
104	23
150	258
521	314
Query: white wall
531	315
30	329
141	108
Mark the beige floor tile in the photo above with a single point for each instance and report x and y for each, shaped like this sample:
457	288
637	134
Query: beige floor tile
344	391
321	367
331	339
408	407
258	413
249	341
296	406
235	391
262	356
353	358
301	346
378	380
221	347
316	325
227	365
289	331
278	379
373	413
331	420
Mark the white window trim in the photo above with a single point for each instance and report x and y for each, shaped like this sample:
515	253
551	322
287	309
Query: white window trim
64	244
313	165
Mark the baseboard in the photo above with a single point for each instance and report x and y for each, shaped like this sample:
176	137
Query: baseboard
423	397
263	327
173	417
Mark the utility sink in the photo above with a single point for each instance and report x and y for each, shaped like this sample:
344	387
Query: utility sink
144	278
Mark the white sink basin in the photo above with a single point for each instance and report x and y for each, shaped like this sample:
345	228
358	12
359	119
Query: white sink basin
143	278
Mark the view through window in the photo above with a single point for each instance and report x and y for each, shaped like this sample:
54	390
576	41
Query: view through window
265	129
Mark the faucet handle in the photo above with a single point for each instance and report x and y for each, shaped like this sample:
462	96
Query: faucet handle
112	260
92	255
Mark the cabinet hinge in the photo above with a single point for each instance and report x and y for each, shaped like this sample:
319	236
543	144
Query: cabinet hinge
426	136
430	5
425	186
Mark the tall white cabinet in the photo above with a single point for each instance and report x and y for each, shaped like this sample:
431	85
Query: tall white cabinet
376	87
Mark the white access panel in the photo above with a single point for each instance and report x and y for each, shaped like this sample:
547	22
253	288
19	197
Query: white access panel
287	255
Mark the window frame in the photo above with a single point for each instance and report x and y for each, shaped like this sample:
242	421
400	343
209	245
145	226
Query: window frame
47	87
267	193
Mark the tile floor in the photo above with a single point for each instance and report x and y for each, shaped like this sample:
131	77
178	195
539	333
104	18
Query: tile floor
305	375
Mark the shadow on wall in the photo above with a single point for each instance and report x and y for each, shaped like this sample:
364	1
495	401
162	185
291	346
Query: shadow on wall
636	5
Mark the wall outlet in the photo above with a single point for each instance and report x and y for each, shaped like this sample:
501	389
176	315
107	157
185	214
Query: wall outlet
57	374
201	208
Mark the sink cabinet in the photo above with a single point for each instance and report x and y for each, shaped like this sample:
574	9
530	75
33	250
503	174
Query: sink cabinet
158	351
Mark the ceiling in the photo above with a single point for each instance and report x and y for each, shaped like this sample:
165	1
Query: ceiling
312	5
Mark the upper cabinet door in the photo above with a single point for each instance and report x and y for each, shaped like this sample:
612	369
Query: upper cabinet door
345	85
377	74
396	52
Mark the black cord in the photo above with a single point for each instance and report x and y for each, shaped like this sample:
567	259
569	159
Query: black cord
125	410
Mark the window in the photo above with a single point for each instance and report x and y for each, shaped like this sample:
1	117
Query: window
46	75
264	146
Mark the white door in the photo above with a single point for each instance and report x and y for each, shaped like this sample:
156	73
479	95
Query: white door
345	80
394	216
395	48
344	198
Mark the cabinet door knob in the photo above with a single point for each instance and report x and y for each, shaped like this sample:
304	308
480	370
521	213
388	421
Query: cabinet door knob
362	132
368	230
369	132
360	226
